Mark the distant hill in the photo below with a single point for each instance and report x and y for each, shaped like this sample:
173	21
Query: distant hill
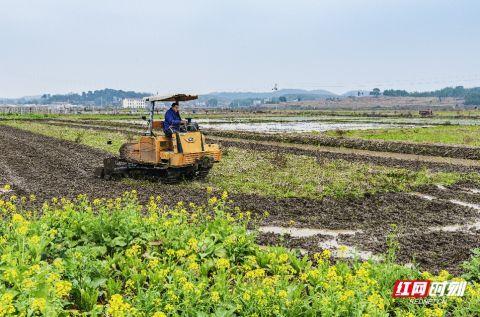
113	97
108	97
230	96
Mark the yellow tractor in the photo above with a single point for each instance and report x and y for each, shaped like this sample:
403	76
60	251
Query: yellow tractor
183	155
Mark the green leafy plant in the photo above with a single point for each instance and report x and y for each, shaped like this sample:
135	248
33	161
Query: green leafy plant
118	257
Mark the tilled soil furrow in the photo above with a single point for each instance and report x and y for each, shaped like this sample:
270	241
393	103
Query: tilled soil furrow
456	192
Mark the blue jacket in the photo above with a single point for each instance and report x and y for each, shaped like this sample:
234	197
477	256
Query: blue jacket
172	120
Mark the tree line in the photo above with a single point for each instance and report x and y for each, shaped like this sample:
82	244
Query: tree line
93	98
471	95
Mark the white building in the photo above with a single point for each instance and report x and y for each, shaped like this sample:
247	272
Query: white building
133	103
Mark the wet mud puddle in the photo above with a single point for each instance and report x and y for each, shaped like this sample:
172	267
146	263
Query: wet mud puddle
339	250
455	227
331	243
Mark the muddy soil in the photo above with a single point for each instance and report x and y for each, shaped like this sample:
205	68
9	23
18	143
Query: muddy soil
461	191
309	244
47	167
405	161
432	250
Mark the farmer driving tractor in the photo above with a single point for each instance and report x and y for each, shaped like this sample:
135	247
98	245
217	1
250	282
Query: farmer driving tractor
182	153
173	120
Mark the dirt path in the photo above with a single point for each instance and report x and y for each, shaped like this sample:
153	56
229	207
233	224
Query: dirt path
48	167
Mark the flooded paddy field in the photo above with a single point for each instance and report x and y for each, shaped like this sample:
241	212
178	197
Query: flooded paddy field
325	123
298	126
306	124
281	124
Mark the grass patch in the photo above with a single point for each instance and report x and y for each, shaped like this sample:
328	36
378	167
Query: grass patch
94	138
278	175
453	134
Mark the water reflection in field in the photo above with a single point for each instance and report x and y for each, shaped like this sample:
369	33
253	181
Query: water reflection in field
305	126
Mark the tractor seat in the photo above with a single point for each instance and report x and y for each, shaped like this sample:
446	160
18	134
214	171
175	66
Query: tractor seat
157	125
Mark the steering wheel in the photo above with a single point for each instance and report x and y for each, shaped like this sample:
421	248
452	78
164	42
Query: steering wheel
183	127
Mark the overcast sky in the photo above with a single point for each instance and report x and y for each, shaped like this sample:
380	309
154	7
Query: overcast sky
59	46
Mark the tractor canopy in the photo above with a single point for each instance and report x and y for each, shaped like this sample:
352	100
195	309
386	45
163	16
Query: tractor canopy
177	97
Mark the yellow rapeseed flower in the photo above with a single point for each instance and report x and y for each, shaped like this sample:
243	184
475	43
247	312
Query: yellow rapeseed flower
213	200
443	275
153	263
256	273
133	251
282	294
283	257
342	250
62	288
39	304
181	253
10	274
225	195
52	277
34	240
303	277
193	266
6	304
17	218
347	295
58	264
193	244
188	287
169	307
223	264
22	230
52	233
28	284
376	300
215	297
117	307
33	270
436	312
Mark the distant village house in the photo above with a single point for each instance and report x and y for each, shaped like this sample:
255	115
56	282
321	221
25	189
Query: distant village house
133	103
